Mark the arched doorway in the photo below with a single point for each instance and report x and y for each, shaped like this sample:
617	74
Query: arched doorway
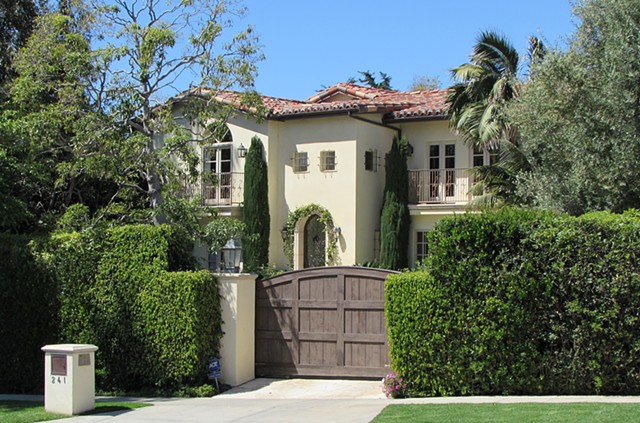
315	240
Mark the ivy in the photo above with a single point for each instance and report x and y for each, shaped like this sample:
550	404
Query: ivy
323	216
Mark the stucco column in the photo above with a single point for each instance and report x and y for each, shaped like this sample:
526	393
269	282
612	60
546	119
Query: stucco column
237	352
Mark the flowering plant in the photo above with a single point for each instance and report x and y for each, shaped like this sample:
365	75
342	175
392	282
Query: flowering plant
394	386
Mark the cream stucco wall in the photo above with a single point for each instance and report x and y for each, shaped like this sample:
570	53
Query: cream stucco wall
333	190
370	186
352	194
423	134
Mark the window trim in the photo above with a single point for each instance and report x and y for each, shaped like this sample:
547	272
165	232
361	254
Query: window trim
489	156
297	162
325	157
418	242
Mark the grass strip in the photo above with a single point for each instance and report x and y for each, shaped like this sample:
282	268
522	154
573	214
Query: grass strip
517	413
33	411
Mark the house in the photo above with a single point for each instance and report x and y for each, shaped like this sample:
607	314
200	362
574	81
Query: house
329	150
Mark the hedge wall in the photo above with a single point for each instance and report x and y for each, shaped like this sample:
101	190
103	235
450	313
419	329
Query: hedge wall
27	315
118	289
516	302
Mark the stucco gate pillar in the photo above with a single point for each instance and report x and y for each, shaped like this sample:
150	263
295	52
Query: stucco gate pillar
237	352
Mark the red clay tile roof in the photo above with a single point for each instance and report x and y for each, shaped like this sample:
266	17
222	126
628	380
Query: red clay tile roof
396	105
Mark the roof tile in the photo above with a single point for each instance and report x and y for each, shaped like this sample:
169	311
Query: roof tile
395	104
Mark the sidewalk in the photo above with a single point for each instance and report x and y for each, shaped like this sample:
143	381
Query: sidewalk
305	400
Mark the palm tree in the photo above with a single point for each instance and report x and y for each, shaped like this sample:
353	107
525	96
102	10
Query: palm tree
476	110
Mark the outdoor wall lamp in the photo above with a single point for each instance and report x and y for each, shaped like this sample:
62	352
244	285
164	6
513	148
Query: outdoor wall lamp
409	150
242	151
337	231
283	233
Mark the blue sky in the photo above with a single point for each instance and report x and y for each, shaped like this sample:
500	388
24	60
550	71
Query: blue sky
309	44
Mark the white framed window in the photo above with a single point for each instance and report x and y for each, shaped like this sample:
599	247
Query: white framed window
327	161
422	247
300	162
371	160
216	176
482	157
442	170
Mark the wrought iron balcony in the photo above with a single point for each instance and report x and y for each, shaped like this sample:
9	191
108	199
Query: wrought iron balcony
440	186
223	189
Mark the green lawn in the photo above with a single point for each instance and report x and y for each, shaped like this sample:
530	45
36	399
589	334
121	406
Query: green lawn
519	413
33	411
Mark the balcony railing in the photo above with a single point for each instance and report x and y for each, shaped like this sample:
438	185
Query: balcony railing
440	186
223	189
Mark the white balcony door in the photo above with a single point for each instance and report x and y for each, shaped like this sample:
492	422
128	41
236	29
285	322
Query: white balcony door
441	162
217	165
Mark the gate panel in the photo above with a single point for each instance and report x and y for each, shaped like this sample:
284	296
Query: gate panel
326	321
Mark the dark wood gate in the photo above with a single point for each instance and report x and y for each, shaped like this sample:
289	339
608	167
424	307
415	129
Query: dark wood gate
324	321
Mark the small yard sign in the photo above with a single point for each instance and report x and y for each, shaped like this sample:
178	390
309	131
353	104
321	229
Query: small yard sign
213	371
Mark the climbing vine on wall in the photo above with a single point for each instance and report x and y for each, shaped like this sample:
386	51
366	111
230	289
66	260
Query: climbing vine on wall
323	216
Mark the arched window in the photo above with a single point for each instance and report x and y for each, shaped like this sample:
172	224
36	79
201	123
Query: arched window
315	239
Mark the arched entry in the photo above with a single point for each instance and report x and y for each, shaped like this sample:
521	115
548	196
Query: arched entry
315	241
310	238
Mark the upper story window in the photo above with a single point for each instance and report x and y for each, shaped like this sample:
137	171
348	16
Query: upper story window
371	160
216	175
327	161
440	154
482	157
300	162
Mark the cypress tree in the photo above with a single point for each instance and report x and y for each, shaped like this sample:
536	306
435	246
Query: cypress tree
255	243
394	222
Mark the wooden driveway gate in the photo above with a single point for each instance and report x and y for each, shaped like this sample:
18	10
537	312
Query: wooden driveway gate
324	321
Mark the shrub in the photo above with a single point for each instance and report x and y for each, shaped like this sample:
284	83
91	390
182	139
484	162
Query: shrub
517	302
117	291
180	323
395	220
394	386
28	314
115	288
256	209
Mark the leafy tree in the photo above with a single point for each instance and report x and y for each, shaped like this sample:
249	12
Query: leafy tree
80	114
370	79
17	19
395	220
149	39
580	115
477	111
424	83
256	209
46	121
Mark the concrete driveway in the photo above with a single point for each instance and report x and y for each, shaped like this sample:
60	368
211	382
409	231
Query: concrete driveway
298	400
264	400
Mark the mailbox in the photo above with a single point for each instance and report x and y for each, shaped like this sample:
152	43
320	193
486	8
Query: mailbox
69	378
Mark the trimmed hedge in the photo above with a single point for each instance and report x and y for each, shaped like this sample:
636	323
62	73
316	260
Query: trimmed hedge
132	278
517	302
180	326
119	289
27	315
